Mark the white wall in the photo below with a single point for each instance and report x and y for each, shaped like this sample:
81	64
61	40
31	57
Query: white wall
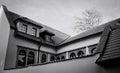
48	49
4	35
82	43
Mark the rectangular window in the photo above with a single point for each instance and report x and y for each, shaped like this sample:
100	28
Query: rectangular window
24	28
34	31
48	38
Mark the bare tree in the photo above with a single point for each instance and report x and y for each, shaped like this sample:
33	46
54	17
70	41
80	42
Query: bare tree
90	19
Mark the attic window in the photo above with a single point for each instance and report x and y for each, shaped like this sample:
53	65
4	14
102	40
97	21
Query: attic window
30	58
47	36
34	31
23	28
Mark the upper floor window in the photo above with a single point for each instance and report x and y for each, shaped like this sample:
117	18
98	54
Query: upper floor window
24	28
48	38
34	31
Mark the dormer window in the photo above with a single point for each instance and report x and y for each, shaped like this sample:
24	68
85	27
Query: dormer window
34	31
24	28
47	36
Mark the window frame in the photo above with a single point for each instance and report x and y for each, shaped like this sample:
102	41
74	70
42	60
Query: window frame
43	60
80	53
35	31
33	58
26	27
48	38
73	56
28	50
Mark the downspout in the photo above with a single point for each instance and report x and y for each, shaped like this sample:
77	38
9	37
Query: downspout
38	54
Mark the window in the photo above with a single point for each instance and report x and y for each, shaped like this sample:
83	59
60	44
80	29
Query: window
80	53
24	28
52	58
58	58
48	38
34	31
72	55
93	50
44	58
62	58
25	57
30	58
21	58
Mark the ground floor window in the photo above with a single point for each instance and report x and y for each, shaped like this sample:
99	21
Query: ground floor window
43	58
31	58
72	55
80	53
52	58
22	58
25	57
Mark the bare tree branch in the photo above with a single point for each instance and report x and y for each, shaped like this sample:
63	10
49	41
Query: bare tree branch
90	19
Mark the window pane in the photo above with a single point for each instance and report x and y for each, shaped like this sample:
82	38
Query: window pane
48	38
43	59
62	58
80	53
30	58
58	58
72	55
24	28
52	58
34	31
21	58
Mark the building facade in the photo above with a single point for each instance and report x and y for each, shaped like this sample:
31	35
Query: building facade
28	46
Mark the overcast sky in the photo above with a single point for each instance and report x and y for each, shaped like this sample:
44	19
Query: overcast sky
60	14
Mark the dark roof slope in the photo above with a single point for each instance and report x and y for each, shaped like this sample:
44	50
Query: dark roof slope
90	32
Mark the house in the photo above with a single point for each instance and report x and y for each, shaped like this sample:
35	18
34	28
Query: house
27	46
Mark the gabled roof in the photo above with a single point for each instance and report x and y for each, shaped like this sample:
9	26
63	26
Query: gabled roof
90	32
58	36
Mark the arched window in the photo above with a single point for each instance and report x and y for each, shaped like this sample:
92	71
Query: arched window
58	58
62	58
30	58
80	53
21	58
52	58
44	58
72	55
93	50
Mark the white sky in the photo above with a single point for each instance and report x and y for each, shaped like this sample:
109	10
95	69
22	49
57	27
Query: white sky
60	14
